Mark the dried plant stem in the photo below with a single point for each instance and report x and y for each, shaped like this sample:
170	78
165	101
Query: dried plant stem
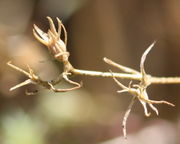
164	80
17	68
105	74
126	116
121	67
138	77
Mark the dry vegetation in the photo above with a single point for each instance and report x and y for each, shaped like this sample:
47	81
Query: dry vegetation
138	80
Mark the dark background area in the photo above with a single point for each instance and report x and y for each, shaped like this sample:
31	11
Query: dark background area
118	29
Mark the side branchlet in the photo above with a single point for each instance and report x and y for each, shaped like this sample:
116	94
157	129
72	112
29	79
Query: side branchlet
138	91
57	48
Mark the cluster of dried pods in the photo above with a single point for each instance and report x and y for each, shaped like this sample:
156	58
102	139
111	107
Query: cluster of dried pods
57	48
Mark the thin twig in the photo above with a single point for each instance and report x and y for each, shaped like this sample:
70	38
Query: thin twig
126	115
164	80
17	68
105	74
121	67
151	79
26	82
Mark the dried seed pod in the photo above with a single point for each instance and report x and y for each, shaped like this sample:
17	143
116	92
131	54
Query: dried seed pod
52	39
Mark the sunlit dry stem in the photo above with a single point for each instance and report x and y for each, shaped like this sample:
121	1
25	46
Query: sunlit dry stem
151	79
164	80
17	68
121	67
26	82
105	74
126	115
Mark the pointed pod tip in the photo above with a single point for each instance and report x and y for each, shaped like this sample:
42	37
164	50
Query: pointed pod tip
48	17
143	58
154	42
35	27
9	62
148	114
151	46
58	20
104	59
173	105
11	89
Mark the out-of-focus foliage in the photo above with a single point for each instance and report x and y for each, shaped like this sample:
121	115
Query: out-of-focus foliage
118	29
20	128
151	133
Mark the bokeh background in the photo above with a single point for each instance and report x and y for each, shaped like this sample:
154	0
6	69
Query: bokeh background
118	29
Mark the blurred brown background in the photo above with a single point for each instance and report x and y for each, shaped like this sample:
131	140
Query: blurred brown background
118	29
